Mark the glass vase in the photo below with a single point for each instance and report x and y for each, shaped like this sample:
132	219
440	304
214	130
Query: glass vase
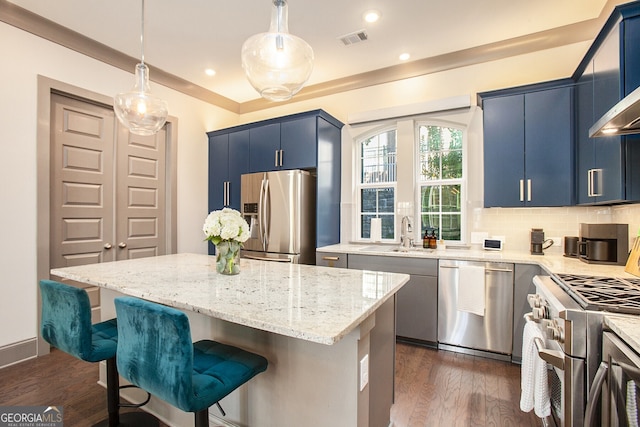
228	257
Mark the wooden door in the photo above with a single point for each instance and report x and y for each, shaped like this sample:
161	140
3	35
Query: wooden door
140	195
82	177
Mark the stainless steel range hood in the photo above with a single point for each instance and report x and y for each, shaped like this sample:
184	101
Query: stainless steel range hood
622	119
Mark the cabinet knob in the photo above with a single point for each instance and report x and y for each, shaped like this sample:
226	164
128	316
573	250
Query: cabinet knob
107	246
122	245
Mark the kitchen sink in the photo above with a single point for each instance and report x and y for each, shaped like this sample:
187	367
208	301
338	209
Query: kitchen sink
380	248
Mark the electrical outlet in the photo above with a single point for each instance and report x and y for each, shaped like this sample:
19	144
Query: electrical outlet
364	372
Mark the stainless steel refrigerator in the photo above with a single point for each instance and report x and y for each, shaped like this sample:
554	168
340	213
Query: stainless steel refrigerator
280	208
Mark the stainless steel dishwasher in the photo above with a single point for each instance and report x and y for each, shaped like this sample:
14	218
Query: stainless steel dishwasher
469	332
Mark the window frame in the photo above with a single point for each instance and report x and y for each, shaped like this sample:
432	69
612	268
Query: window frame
359	186
418	182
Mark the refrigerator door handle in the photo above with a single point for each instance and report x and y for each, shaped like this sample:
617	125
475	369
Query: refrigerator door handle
266	213
261	210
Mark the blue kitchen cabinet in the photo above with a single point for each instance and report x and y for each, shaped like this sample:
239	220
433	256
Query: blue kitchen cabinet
309	140
264	144
609	71
298	142
228	160
503	150
290	144
528	148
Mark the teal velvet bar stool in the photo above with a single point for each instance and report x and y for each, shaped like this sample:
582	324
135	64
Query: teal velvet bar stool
66	325
155	352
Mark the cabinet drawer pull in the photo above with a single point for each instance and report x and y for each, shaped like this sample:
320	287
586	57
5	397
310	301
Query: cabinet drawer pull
331	258
528	190
275	160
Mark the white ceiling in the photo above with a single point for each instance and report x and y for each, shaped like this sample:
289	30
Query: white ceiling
184	37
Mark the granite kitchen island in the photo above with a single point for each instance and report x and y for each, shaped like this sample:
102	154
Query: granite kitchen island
317	326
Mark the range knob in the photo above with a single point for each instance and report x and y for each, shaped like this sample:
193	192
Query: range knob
554	331
534	300
539	312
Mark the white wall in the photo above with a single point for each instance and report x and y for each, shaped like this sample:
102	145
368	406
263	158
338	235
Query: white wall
24	57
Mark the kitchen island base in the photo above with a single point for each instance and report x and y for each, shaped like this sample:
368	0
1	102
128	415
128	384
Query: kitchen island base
306	383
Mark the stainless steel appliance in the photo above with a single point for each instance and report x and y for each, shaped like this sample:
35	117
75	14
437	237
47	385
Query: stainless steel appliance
618	382
468	332
604	243
280	208
569	310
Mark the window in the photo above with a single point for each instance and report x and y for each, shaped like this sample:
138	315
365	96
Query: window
377	183
440	180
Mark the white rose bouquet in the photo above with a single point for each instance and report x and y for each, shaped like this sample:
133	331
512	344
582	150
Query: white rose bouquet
226	229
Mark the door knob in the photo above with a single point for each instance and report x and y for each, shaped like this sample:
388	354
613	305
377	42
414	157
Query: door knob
122	245
107	246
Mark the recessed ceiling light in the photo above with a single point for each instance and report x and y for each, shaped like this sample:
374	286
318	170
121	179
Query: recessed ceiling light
210	72
404	56
371	15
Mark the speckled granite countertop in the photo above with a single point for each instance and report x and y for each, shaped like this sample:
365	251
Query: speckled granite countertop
317	304
626	327
552	263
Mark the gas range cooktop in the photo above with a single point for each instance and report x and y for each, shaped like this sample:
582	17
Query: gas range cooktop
621	295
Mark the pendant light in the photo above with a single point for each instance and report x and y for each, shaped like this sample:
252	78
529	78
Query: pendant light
277	64
139	110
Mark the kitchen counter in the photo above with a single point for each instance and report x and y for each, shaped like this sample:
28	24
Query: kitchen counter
307	302
552	263
626	327
315	325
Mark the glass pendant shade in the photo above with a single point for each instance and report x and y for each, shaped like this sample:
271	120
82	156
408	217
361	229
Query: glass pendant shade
277	64
139	110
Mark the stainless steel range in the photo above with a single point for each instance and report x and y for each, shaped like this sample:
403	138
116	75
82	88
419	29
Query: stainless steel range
569	309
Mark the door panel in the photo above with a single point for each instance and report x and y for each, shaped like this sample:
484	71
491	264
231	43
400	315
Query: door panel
82	180
140	195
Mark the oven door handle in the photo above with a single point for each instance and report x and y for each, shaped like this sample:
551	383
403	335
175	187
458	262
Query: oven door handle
553	357
594	395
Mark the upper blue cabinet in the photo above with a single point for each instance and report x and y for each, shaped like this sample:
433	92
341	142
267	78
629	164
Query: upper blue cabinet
288	144
528	146
609	71
537	150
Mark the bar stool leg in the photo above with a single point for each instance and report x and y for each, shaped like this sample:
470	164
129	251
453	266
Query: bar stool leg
113	393
202	418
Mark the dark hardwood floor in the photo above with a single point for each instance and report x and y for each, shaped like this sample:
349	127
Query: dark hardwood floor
433	388
442	388
57	379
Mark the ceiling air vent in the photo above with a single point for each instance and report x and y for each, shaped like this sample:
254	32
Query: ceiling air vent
355	37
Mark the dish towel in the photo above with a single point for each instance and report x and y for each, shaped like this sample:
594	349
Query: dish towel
471	292
533	381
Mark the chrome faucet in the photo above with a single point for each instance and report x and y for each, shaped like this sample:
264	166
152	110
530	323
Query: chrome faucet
406	231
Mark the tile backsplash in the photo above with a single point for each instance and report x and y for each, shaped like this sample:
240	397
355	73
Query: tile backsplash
515	224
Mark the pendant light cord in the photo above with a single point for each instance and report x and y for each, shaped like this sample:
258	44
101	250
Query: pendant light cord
142	35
